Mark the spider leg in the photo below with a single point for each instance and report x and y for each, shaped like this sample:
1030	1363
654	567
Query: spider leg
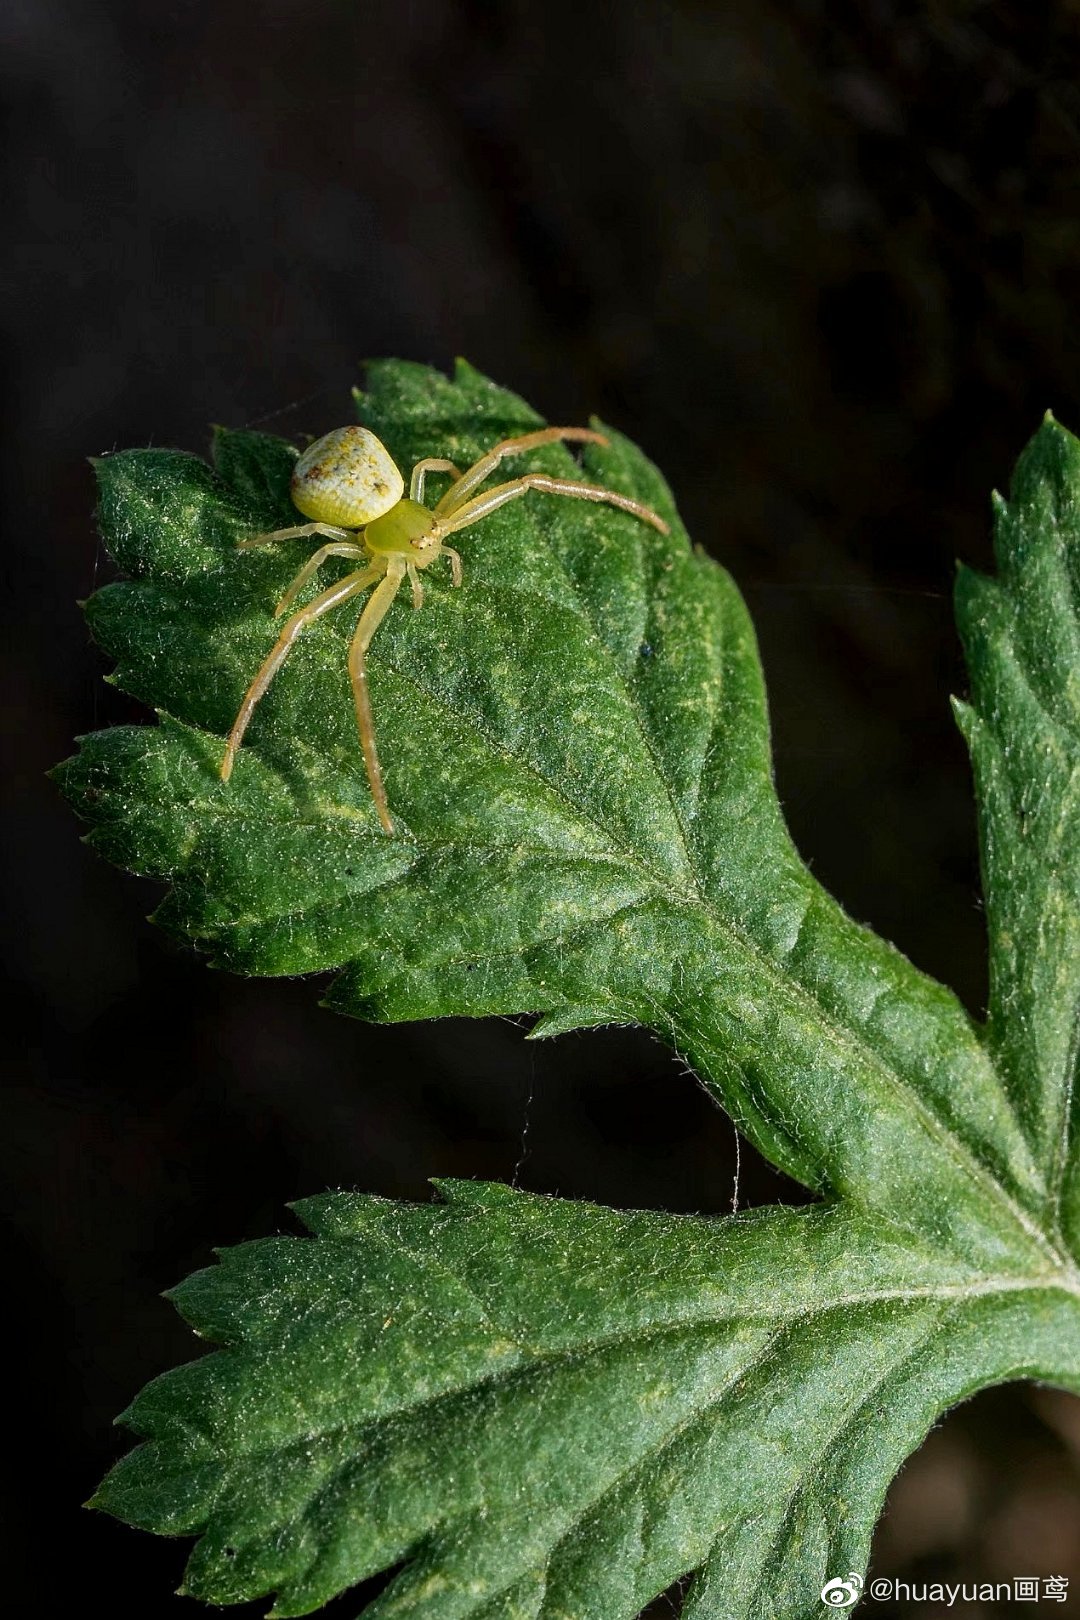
417	588
471	480
347	548
299	531
422	468
372	616
491	499
341	592
455	564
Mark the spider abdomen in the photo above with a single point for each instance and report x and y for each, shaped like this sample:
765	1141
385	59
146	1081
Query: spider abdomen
347	478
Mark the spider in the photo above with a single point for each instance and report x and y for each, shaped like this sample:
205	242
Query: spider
351	489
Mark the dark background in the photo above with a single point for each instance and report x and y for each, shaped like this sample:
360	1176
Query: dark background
823	261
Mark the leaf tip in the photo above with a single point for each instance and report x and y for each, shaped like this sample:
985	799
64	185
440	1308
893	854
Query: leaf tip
1051	428
122	1420
1048	467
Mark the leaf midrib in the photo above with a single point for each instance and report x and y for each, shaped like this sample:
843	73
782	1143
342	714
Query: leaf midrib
539	1360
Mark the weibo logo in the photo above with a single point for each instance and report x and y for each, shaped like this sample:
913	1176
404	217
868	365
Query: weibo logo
840	1593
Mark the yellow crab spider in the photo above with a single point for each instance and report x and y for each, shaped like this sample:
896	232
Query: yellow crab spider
354	494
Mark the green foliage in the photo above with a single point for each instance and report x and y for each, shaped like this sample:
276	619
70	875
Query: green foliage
549	1410
1022	637
558	1409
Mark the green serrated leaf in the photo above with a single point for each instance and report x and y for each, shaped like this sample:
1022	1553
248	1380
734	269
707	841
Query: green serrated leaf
1022	637
554	1410
576	749
544	1409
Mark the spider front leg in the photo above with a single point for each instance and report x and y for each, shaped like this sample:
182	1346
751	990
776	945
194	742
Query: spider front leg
467	482
345	588
455	564
370	620
491	499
